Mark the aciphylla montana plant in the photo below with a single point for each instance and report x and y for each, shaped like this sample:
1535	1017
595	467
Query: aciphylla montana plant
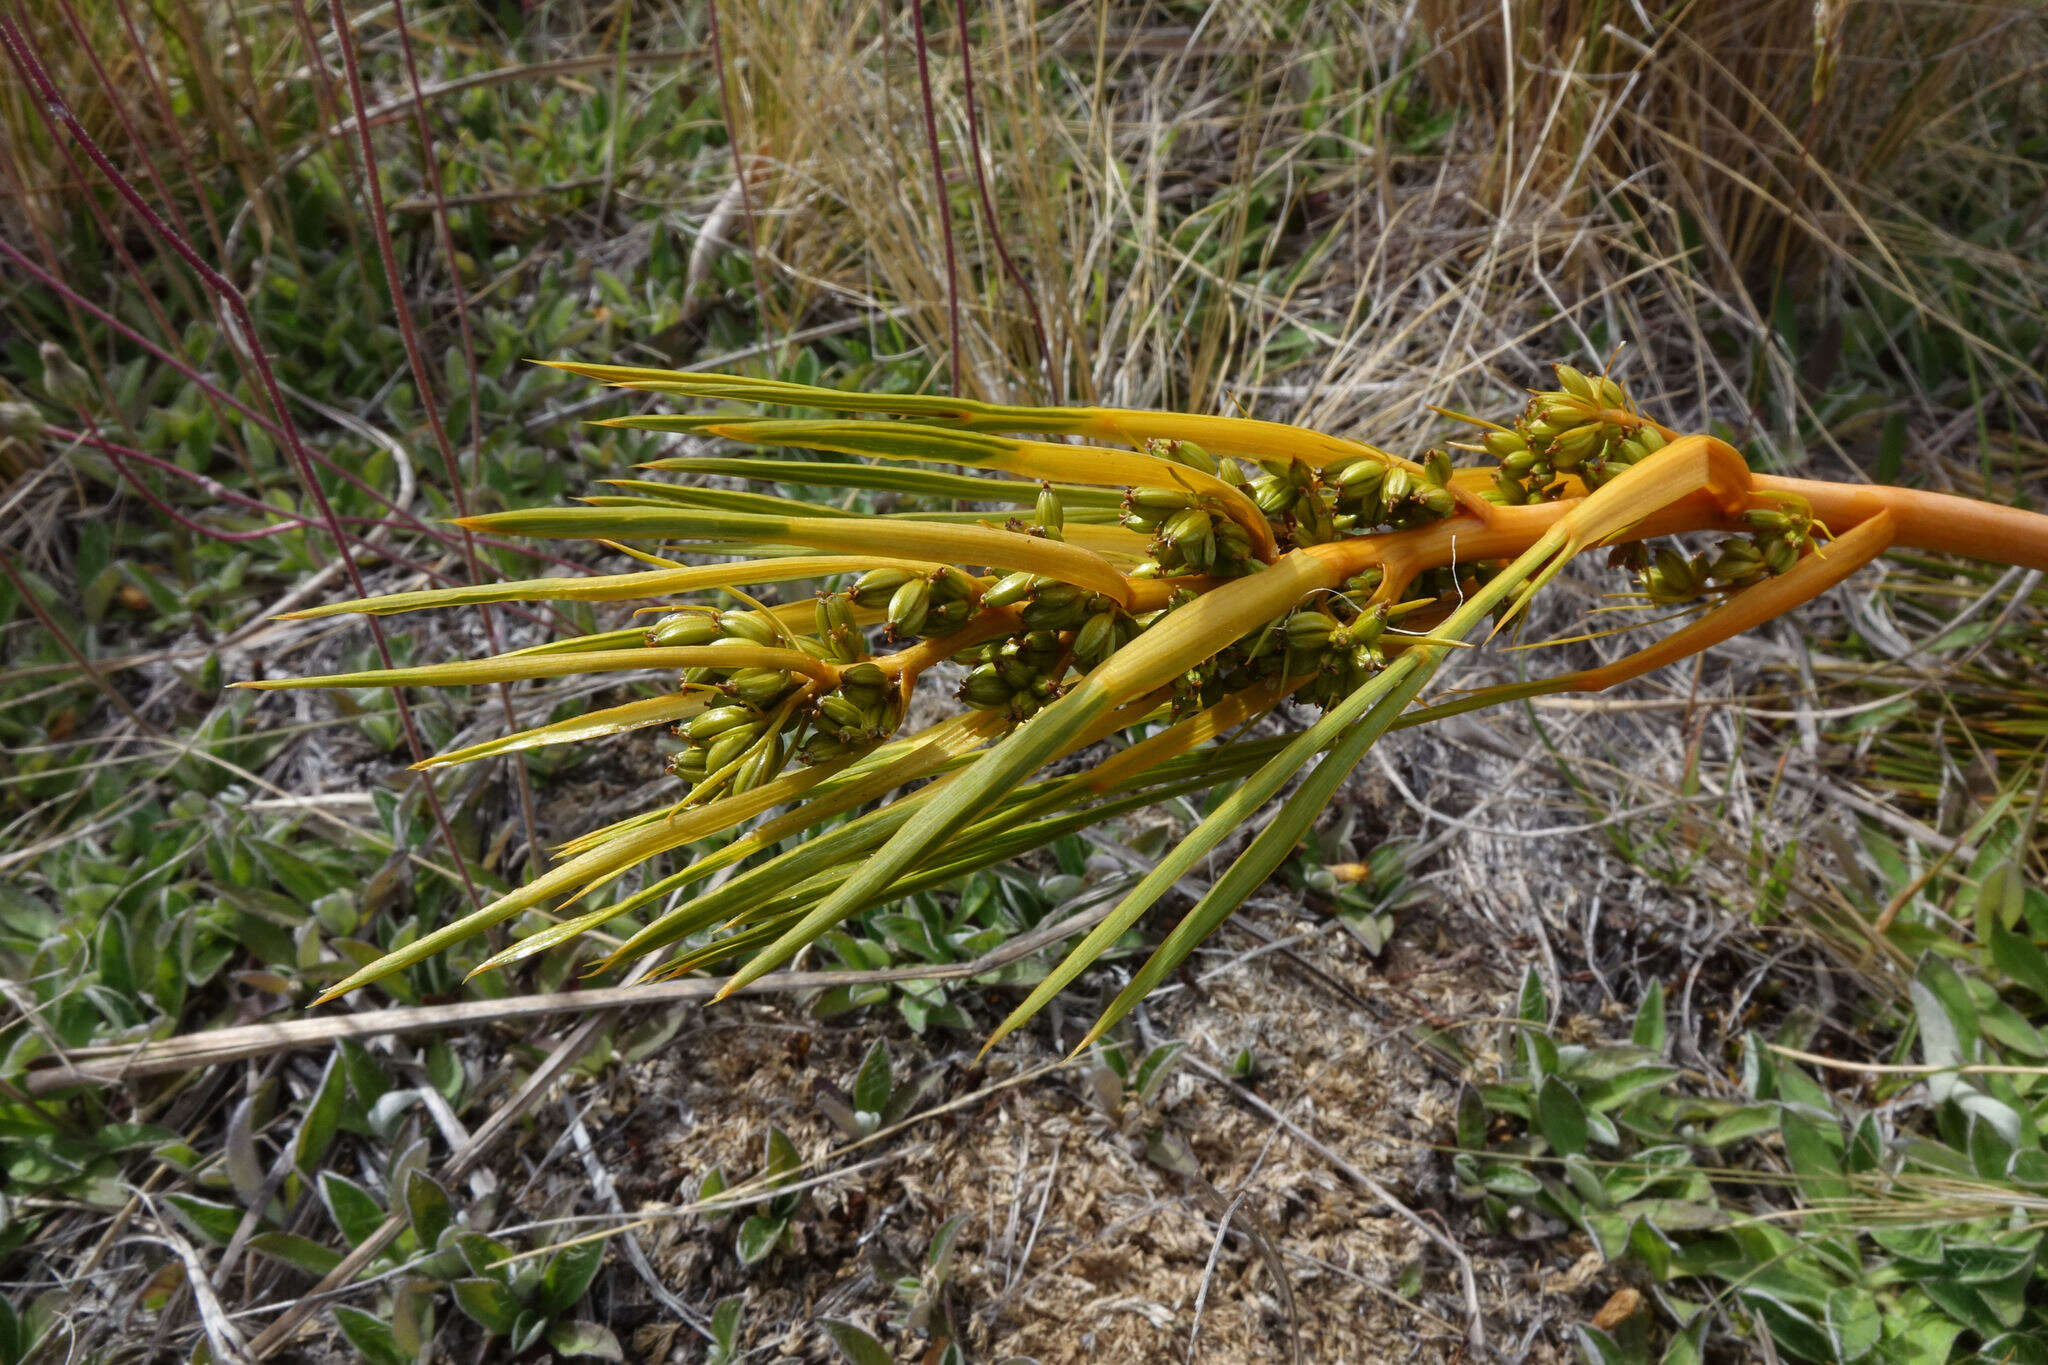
1157	589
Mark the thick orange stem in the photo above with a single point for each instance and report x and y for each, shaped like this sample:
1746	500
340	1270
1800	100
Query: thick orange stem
1926	521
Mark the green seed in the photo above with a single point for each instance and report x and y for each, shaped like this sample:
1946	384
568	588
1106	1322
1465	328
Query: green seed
864	684
908	607
760	767
840	710
684	629
718	720
1096	638
873	588
1576	384
758	686
1193	534
1309	630
985	689
730	745
1009	590
1274	495
1052	516
751	626
1504	444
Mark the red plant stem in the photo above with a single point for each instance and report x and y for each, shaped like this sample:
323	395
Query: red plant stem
172	123
114	239
931	137
380	226
231	299
174	128
117	455
121	112
988	208
205	385
70	646
293	521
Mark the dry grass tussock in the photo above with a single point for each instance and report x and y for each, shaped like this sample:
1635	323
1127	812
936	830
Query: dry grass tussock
1271	208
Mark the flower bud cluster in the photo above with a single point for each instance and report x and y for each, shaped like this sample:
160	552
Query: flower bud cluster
733	734
1776	539
1587	427
1187	537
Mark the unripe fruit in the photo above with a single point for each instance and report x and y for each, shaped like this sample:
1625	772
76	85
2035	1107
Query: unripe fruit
683	629
908	606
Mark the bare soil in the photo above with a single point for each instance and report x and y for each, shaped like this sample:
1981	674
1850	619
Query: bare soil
1077	1244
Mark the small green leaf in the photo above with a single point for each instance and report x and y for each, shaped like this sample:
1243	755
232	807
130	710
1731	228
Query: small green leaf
1747	1122
1561	1116
783	1160
1649	1030
2022	960
1507	1178
371	1338
584	1339
480	1253
1685	1346
568	1276
873	1082
215	1221
1153	1071
856	1345
1471	1120
302	1253
938	1256
527	1329
759	1235
1532	1005
355	1211
725	1322
426	1205
1814	1150
1854	1323
487	1303
323	1117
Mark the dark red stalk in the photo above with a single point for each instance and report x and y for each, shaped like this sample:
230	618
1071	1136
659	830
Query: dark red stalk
73	298
988	207
174	126
117	452
70	646
106	228
163	191
931	137
231	299
415	360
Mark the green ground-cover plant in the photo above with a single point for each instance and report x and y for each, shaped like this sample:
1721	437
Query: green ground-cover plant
1900	1227
1168	589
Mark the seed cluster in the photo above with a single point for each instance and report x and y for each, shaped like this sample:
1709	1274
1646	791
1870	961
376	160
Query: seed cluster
1587	428
1776	539
1022	637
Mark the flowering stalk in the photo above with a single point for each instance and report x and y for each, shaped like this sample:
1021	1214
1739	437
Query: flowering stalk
1176	588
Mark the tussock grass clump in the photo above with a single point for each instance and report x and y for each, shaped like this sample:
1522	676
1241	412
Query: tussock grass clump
1762	121
1166	589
